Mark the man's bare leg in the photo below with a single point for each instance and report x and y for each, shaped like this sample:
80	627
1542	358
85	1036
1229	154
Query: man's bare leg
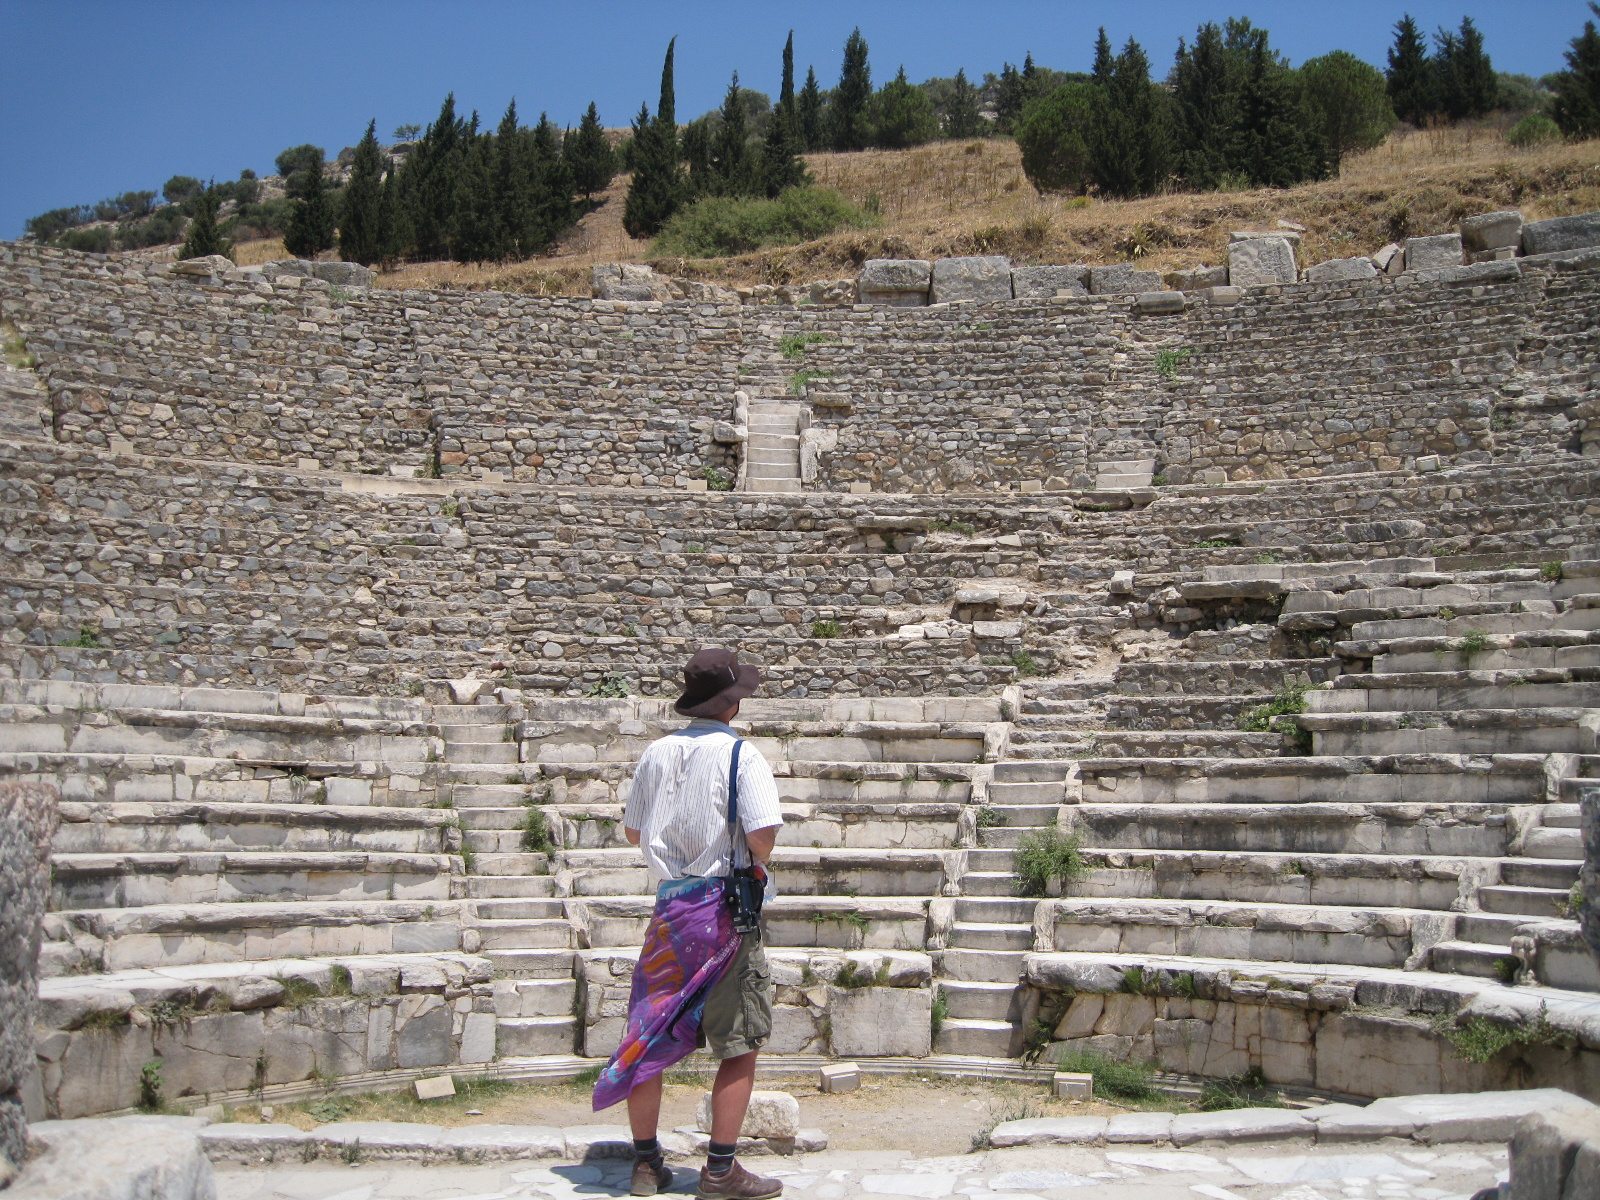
730	1097
644	1108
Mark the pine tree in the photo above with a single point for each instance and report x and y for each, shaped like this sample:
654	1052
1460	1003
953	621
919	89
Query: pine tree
1577	104
1410	78
1008	99
848	111
657	187
311	227
363	198
1348	100
430	172
1465	78
1276	143
730	152
1055	152
902	115
811	113
781	167
202	237
962	119
590	156
1128	138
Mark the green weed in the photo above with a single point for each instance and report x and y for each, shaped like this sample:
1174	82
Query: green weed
612	687
941	1010
1025	664
1474	641
802	379
1044	855
87	639
1128	1080
1263	718
298	990
988	818
1551	571
1237	1091
825	629
536	832
150	1099
1213	544
1168	361
716	481
1573	904
940	525
794	345
1478	1039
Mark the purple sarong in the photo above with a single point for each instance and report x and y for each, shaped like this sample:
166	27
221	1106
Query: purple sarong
687	948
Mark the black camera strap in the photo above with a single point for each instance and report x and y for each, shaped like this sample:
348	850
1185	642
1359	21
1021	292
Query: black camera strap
733	804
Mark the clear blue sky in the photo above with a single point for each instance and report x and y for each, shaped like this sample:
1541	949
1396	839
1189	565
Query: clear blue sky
103	97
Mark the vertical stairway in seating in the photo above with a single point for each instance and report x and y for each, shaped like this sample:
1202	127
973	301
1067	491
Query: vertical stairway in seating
521	923
772	453
24	406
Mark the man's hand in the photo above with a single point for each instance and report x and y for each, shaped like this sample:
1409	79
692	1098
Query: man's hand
632	835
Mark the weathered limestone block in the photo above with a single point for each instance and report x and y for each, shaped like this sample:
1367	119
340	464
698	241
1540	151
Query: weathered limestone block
1561	233
342	274
1028	283
1434	253
297	268
624	281
1153	303
1589	914
875	1021
1261	261
1195	278
1339	269
1555	1155
28	814
986	277
1491	231
1121	278
898	282
125	1158
771	1114
211	267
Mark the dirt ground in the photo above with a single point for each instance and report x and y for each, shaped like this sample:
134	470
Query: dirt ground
924	1118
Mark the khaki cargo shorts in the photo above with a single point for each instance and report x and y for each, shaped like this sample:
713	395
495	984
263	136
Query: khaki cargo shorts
738	1013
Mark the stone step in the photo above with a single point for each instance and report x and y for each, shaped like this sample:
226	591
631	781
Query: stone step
1006	911
989	883
493	818
978	1001
518	909
531	964
974	935
1476	731
978	1038
1010	794
1546	875
479	753
1523	901
1048	752
1561	816
1411	693
492	841
519	864
491	887
1474	958
1025	816
518	1037
1490	928
551	997
995	860
489	795
1566	844
116	827
981	966
1034	772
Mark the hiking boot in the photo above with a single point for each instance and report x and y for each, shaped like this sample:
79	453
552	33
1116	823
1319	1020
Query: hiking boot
650	1176
737	1184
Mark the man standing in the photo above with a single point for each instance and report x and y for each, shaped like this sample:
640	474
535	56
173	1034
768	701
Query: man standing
699	980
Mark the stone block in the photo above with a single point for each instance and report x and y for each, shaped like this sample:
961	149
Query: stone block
28	818
502	1143
1561	233
598	1141
253	1145
1434	253
1121	279
436	1088
126	1158
1140	1127
1240	1125
1261	261
1491	231
1338	270
343	274
770	1115
379	1139
1196	279
839	1077
1030	283
1224	297
1589	912
1073	1085
1154	303
295	268
1287	233
1084	1011
872	1022
1475	1116
986	277
899	282
1044	1131
1556	1155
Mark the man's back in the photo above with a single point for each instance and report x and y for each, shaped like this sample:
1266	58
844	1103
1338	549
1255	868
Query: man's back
679	800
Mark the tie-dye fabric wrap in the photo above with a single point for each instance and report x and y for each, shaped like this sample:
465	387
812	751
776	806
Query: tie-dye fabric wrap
687	948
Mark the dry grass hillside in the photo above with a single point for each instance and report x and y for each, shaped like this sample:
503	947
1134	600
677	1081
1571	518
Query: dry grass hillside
972	198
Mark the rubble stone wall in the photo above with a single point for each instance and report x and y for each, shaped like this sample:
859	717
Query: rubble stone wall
27	823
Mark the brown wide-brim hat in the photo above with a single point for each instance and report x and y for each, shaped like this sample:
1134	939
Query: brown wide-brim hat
714	680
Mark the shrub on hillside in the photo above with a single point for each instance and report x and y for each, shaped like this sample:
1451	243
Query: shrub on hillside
1052	136
1535	129
721	225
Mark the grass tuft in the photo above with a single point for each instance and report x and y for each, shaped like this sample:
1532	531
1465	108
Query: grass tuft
1123	1080
1045	855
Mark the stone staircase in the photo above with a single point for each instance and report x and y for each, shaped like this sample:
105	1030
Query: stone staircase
24	405
772	453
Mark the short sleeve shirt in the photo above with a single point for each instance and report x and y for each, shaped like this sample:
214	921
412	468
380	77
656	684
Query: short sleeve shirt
679	800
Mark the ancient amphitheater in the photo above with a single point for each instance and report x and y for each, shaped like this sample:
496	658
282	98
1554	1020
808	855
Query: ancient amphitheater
336	616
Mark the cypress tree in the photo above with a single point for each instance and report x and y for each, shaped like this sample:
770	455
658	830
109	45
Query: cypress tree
1128	141
394	224
1276	144
433	167
1205	95
472	229
810	112
657	187
781	167
359	239
203	237
730	159
556	184
1410	79
962	119
1577	104
311	227
850	99
513	204
589	154
1465	78
1008	99
1105	63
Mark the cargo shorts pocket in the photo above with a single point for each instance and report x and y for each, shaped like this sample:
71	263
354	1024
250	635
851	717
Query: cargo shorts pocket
756	1001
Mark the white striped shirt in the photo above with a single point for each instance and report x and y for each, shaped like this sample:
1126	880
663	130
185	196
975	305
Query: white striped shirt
679	800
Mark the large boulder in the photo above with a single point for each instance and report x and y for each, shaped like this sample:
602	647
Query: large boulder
1437	252
1555	1154
1491	231
986	277
122	1158
770	1115
1119	279
871	1022
1261	261
900	282
211	267
625	281
27	823
1028	283
343	274
1338	270
1561	233
1194	279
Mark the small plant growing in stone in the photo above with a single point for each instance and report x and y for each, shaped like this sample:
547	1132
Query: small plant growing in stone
1446	613
87	639
1262	718
1244	1090
1213	544
1550	571
802	379
1159	479
964	528
694	548
1045	855
1573	904
1479	1039
794	345
536	832
716	481
1506	968
297	990
825	629
989	817
150	1099
1268	557
1025	664
449	506
1168	361
1474	641
941	1010
612	687
1129	1080
339	980
1502	422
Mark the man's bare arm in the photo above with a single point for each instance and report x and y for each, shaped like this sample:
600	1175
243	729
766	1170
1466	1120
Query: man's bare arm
761	842
633	835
